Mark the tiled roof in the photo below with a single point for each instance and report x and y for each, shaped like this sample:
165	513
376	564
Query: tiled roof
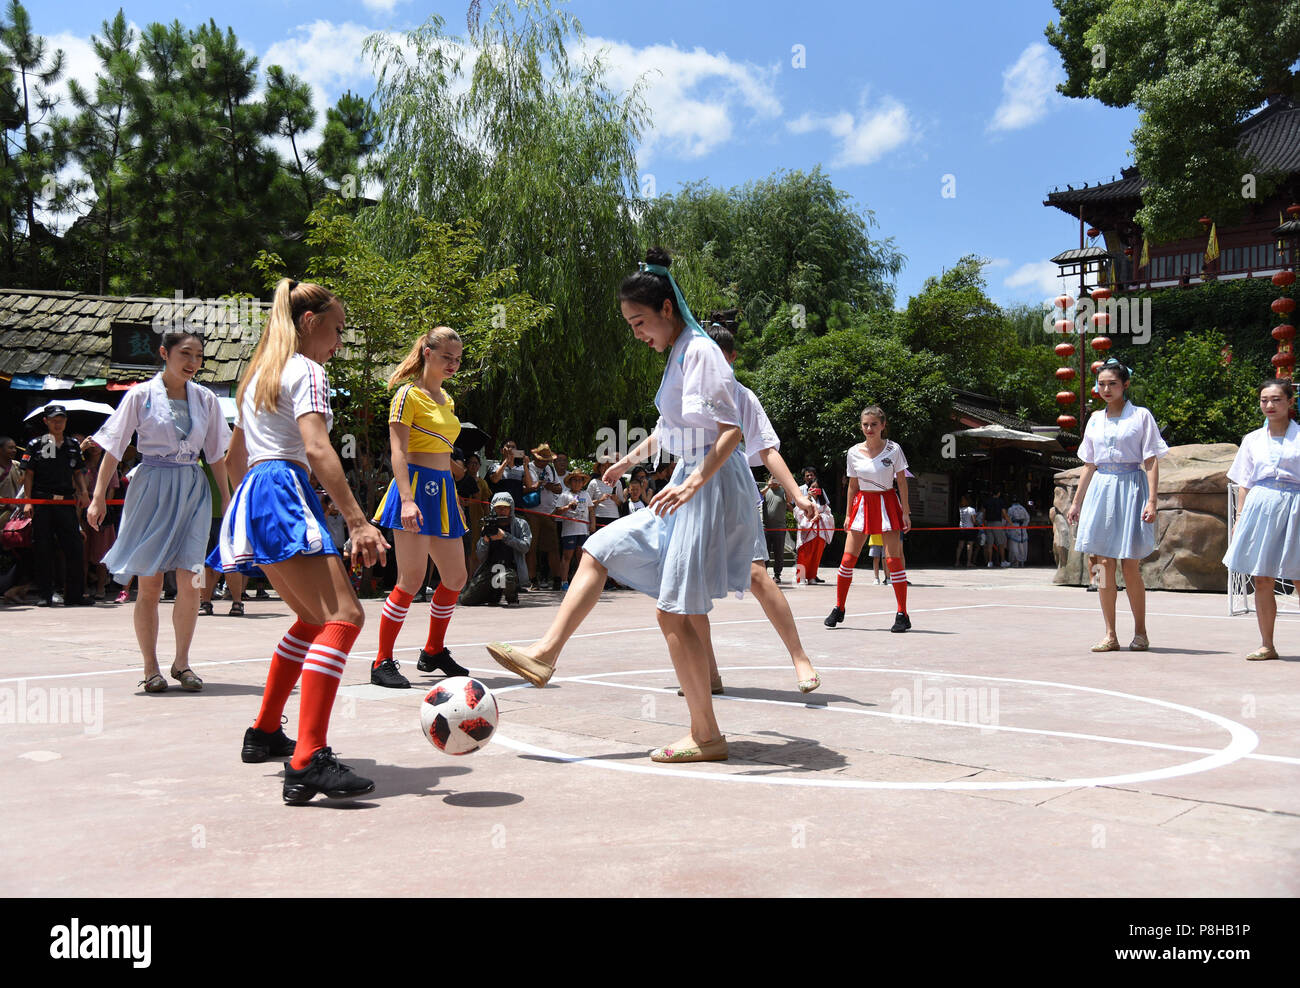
1271	136
68	335
990	416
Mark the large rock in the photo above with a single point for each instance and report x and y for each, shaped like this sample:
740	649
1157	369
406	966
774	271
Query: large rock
1191	522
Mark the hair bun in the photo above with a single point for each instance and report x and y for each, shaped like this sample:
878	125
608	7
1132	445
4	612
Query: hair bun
657	255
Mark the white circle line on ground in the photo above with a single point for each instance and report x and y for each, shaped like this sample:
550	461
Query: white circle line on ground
1242	742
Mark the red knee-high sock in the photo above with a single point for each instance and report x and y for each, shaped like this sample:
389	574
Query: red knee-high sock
898	577
286	667
440	608
321	672
847	562
390	622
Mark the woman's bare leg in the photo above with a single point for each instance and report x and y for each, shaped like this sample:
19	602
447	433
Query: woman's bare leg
686	647
185	613
777	610
1107	593
145	618
1137	595
581	597
1265	609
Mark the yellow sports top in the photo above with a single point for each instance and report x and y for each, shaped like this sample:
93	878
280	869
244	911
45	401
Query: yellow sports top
434	427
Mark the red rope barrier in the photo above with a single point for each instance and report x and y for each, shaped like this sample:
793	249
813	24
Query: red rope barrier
67	501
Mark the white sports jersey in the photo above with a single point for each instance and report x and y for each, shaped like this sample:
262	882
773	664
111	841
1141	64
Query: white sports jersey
269	435
876	473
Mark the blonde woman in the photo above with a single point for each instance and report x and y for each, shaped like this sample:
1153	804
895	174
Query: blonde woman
276	523
421	506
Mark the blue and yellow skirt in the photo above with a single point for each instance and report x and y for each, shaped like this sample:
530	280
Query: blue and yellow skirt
435	496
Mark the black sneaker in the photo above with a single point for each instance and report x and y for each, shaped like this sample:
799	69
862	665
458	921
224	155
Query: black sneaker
259	745
441	661
324	774
834	617
901	622
387	674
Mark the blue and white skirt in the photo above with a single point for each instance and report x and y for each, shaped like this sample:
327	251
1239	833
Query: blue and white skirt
274	515
694	556
1266	538
435	496
165	521
1110	523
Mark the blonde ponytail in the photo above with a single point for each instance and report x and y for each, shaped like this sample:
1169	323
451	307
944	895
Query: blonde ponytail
279	339
413	366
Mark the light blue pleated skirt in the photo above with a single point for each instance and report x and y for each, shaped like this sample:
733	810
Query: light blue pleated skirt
1110	523
165	522
694	556
1266	537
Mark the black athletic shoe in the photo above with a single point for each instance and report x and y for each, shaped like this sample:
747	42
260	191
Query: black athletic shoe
442	661
259	745
324	774
901	622
387	674
834	617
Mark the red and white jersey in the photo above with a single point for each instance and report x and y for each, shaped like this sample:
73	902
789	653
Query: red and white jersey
876	473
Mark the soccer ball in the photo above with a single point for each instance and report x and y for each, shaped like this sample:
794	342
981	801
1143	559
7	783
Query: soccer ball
459	715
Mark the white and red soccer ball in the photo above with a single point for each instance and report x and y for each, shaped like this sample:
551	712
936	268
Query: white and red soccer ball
459	715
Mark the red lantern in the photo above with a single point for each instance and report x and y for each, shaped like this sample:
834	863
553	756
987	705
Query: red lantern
1100	342
1064	326
1283	305
1100	293
1064	301
1284	332
1064	350
1101	319
1097	366
1284	278
1204	221
1093	231
1279	360
1293	210
1066	373
1066	421
1128	251
1066	397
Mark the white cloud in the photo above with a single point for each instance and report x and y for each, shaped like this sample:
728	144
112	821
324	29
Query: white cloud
1028	89
693	96
384	6
867	137
1039	277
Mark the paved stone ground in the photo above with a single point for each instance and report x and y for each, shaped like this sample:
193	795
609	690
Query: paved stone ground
986	753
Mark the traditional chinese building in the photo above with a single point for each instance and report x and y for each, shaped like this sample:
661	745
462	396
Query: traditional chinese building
1248	249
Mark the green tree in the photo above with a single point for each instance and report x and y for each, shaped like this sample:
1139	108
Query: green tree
391	302
1199	393
101	140
290	113
1195	69
348	141
785	249
541	152
34	155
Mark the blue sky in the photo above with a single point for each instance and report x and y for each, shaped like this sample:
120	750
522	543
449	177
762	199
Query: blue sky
890	98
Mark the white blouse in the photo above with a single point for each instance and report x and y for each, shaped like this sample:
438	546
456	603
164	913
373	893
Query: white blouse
756	426
1255	459
268	435
876	473
1133	437
147	412
696	397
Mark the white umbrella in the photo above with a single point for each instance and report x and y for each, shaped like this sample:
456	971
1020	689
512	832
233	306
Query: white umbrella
228	408
1001	435
73	405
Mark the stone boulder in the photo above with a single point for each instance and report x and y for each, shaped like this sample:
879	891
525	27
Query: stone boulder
1191	522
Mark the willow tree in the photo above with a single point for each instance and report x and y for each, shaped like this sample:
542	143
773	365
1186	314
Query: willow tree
505	127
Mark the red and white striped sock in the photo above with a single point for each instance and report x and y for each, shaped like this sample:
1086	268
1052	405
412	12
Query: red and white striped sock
441	607
898	577
322	670
844	579
391	619
286	667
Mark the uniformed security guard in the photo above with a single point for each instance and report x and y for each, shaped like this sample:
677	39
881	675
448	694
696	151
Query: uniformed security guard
54	469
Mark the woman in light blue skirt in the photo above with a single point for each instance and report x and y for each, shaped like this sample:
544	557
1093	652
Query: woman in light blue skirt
698	539
168	509
1266	539
1115	505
